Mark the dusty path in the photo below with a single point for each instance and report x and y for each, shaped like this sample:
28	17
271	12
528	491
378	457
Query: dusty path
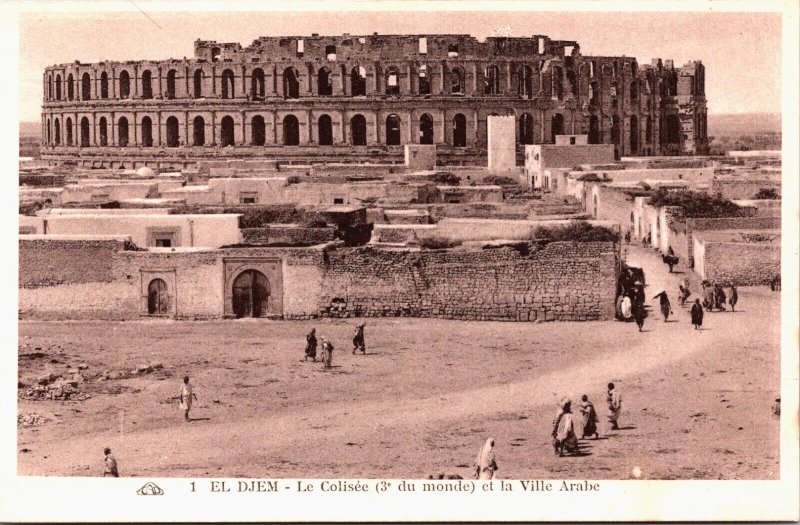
428	395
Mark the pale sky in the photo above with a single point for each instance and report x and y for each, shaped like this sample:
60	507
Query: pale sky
741	51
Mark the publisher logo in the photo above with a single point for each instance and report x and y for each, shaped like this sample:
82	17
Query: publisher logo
150	489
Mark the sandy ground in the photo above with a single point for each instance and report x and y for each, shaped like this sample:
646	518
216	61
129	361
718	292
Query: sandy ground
696	405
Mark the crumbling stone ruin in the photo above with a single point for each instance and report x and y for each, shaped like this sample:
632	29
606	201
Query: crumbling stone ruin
363	98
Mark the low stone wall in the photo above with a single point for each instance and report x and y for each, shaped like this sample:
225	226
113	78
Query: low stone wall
742	264
45	262
287	234
743	188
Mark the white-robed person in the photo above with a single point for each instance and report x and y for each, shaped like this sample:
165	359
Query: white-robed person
186	397
485	463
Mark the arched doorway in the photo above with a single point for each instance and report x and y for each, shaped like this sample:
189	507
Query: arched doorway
199	131
594	130
124	84
198	83
172	132
258	131
392	130
526	129
171	76
228	85
69	131
324	87
86	87
147	85
460	131
358	130
257	84
84	132
104	85
526	82
251	294
147	132
426	129
556	126
325	131
291	131
358	81
291	85
634	135
157	298
57	133
226	133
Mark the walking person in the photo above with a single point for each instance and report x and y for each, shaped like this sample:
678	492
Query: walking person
733	297
666	308
697	314
589	417
110	464
327	352
564	429
311	345
639	314
485	462
719	297
614	400
358	339
186	397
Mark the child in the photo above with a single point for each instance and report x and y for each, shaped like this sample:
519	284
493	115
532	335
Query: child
186	397
111	464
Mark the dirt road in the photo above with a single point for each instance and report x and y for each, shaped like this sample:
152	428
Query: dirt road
422	401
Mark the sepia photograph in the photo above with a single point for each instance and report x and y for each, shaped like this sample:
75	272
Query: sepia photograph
447	246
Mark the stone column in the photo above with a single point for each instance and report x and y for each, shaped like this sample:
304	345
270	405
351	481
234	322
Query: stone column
343	131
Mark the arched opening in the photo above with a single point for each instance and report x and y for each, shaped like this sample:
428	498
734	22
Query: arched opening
291	131
291	85
457	81
325	131
147	132
460	131
86	87
615	93
69	131
124	85
358	130
58	87
324	87
526	128
157	298
58	133
104	85
48	131
50	86
392	130
228	84
330	53
594	94
491	80
258	131
172	132
215	51
84	132
673	129
103	132
574	86
257	84
122	132
556	126
198	83
171	75
392	81
425	129
147	84
594	207
594	130
615	131
634	92
251	293
358	81
198	131
226	132
648	129
526	82
557	79
423	81
70	88
634	135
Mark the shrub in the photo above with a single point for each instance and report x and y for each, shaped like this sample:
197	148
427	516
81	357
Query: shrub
767	194
293	179
446	178
31	207
500	180
438	243
696	204
579	231
589	177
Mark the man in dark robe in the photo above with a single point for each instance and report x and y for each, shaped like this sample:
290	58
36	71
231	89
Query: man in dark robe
697	314
639	314
311	345
666	308
733	297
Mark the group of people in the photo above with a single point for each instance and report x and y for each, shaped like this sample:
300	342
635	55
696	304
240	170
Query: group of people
630	304
714	297
327	345
564	433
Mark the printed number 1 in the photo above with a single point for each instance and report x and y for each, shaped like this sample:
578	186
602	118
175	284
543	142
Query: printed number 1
192	483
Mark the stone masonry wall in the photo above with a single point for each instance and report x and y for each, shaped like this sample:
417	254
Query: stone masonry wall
287	235
558	281
742	264
56	262
743	188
